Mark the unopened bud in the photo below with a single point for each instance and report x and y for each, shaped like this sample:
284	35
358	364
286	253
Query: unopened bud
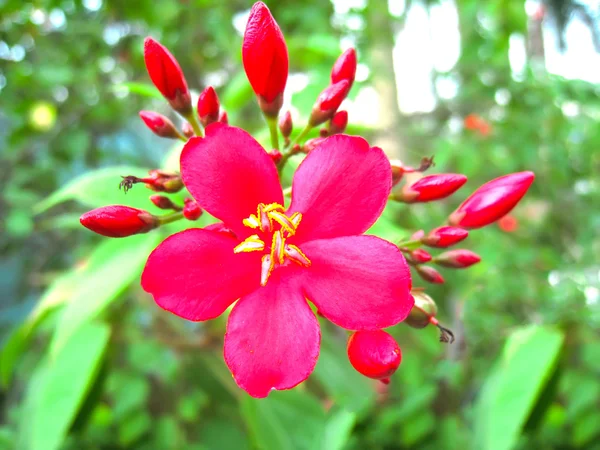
223	118
457	259
445	236
286	125
208	106
492	201
118	221
417	235
191	209
158	181
275	155
429	274
431	188
423	313
419	256
344	67
339	122
162	202
311	144
374	354
160	125
328	102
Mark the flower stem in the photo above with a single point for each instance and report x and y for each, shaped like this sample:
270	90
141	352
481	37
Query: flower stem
409	245
174	217
193	120
301	136
272	122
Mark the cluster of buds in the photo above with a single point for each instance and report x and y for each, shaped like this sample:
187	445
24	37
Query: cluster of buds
375	353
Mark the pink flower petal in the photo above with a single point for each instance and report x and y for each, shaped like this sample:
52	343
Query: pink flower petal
195	274
229	174
340	188
272	339
357	282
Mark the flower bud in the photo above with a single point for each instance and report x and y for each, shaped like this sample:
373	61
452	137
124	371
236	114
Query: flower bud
338	122
432	187
208	106
457	259
187	130
420	256
160	125
265	58
374	354
159	181
191	209
286	125
344	67
312	144
275	155
417	235
162	202
493	200
445	236
423	313
223	117
166	74
429	274
328	102
118	221
423	310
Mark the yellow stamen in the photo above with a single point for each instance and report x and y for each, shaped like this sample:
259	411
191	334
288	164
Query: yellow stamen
251	244
284	221
295	254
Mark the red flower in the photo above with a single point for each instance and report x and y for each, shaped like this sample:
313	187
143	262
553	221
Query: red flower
433	187
167	76
208	106
445	236
491	201
265	58
375	354
159	124
273	259
118	221
345	67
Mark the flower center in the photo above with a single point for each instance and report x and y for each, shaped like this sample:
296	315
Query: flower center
266	219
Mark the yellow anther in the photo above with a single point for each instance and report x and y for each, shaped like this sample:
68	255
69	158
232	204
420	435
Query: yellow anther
295	254
278	247
251	222
251	244
296	218
284	221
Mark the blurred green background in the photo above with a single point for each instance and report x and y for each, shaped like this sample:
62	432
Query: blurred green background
89	362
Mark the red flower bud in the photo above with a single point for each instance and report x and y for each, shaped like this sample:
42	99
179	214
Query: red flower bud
208	106
275	155
457	259
191	210
167	76
286	125
429	274
344	67
491	201
328	102
338	122
443	237
162	202
312	143
417	235
158	181
118	221
223	117
374	354
432	187
508	223
420	256
160	125
265	58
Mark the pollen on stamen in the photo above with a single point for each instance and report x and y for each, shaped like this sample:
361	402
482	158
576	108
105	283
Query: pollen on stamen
284	221
296	255
266	268
251	222
251	244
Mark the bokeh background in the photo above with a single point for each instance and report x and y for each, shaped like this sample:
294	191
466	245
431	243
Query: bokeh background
89	362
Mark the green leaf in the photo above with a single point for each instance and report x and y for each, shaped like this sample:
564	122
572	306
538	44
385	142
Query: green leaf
59	386
509	395
338	429
100	188
122	264
285	420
